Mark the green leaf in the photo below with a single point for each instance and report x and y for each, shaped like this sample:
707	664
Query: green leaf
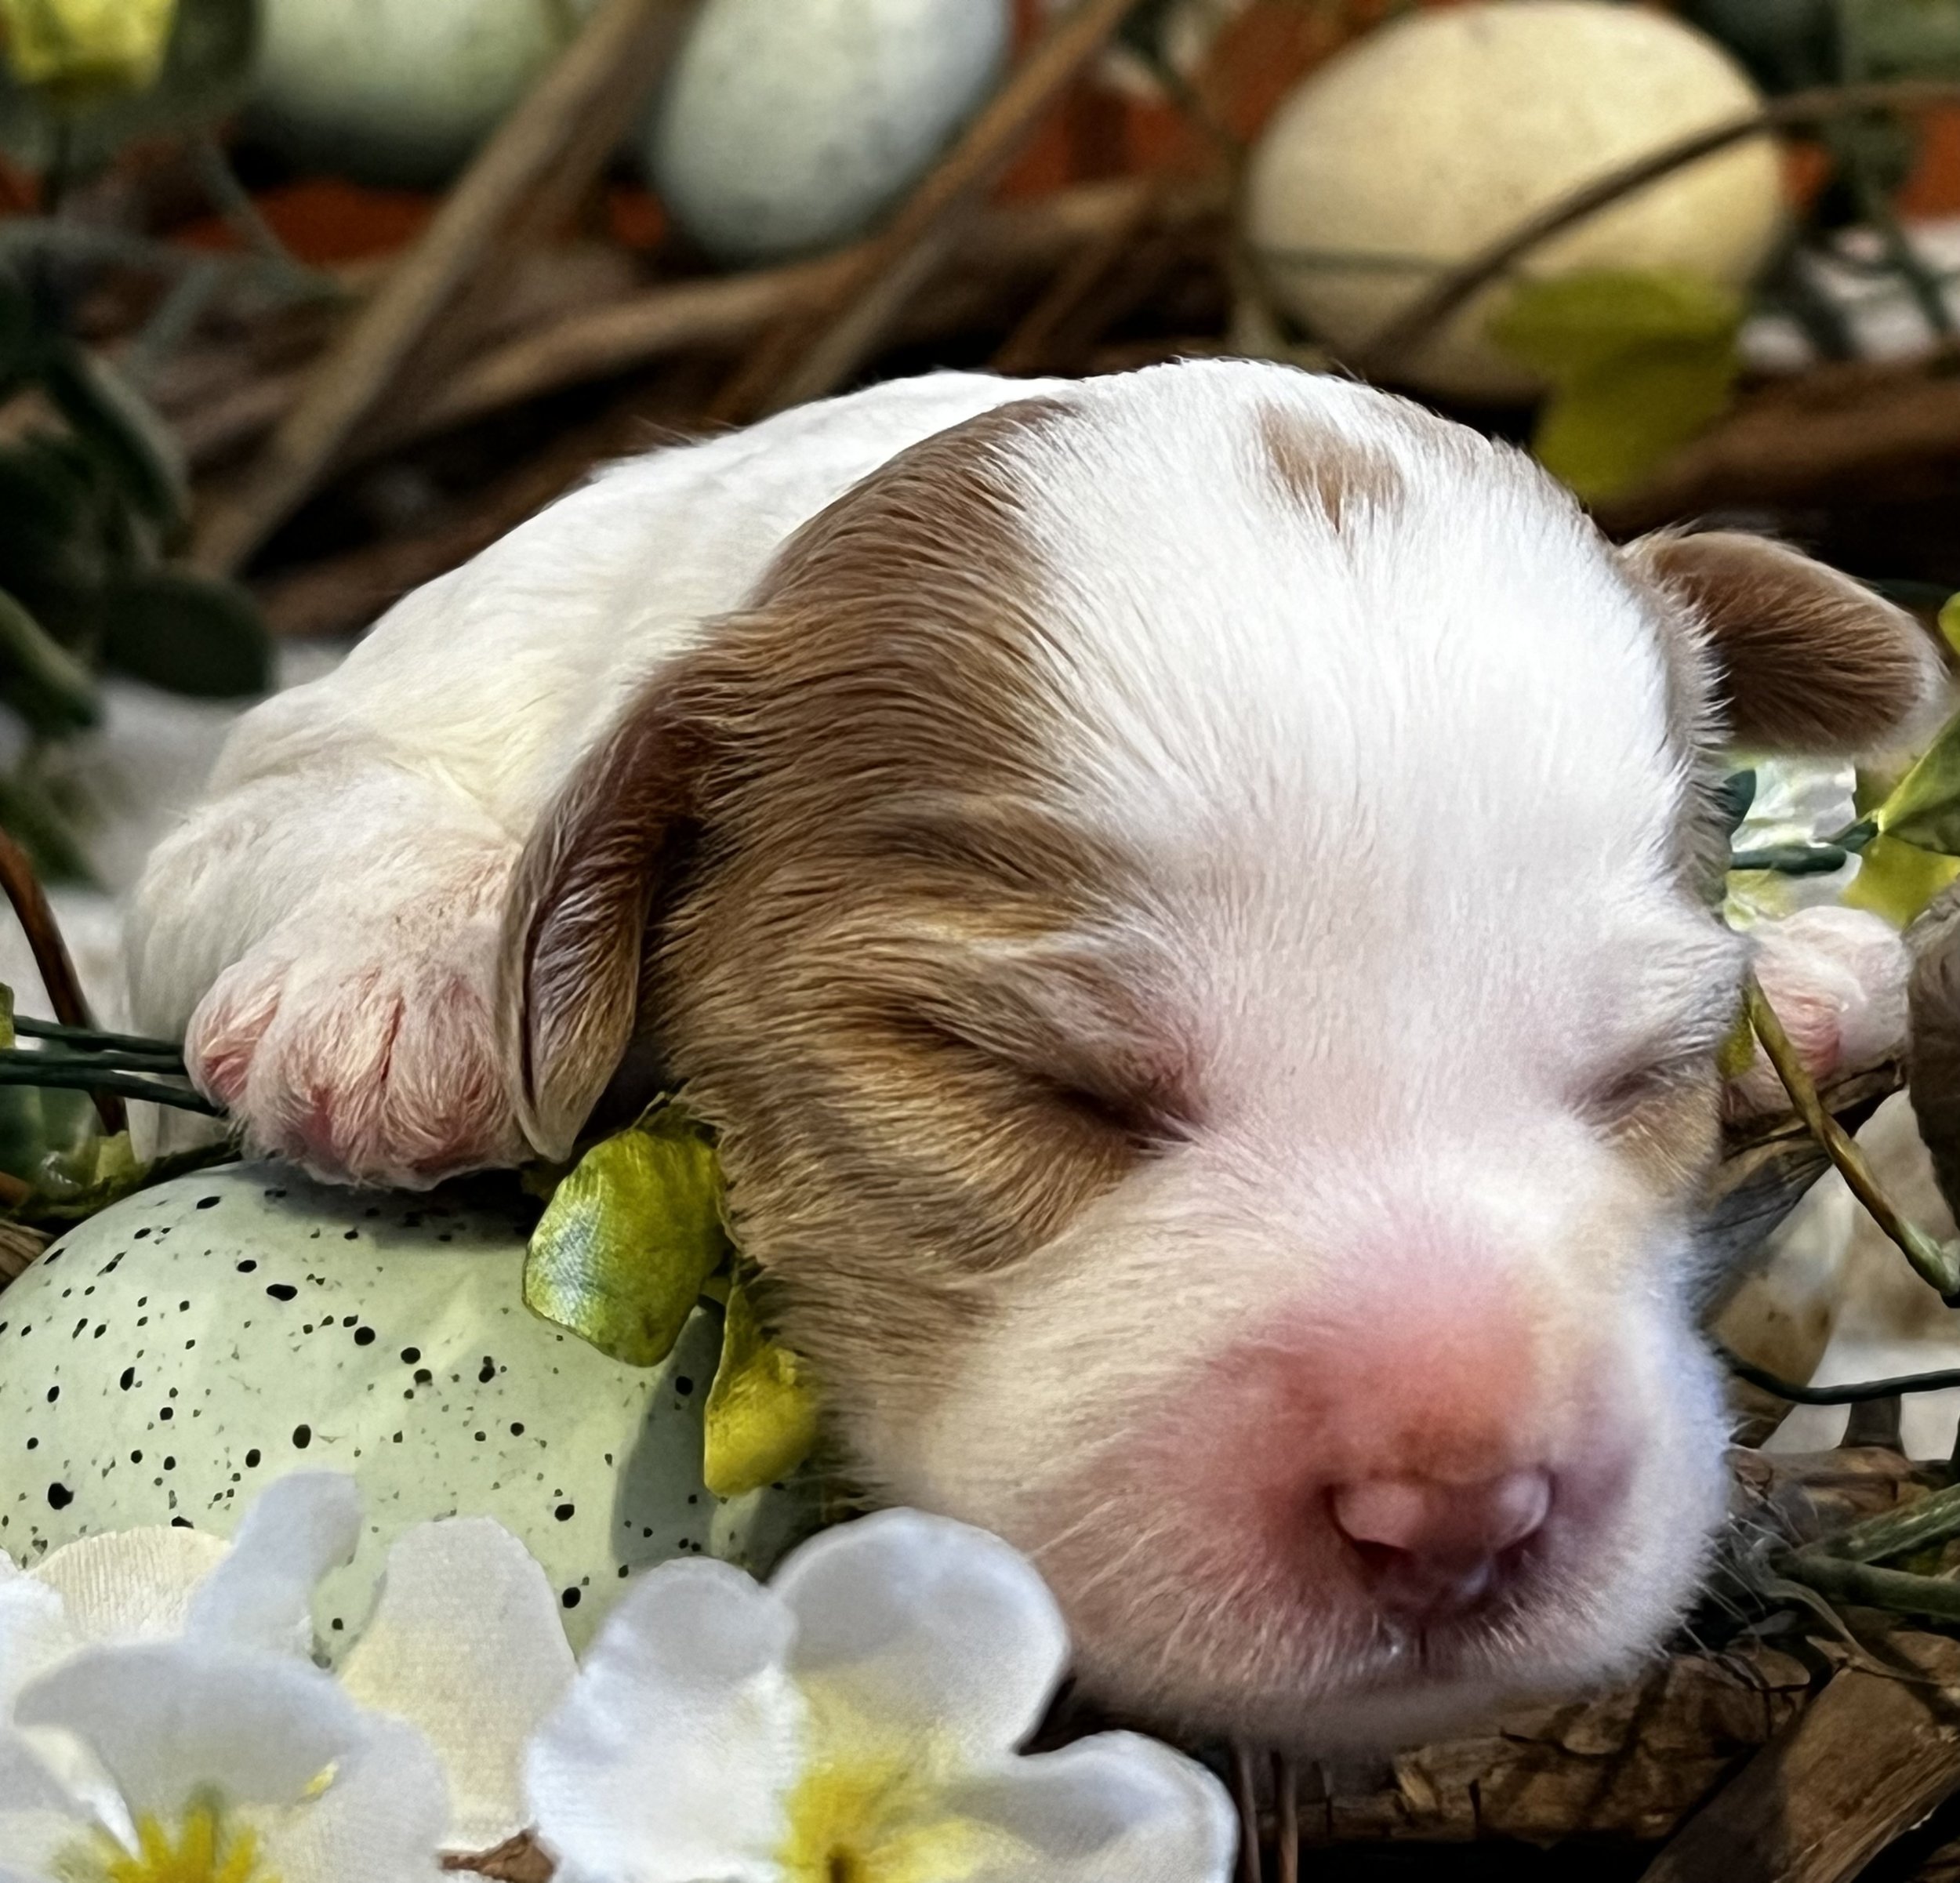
207	72
1924	809
119	425
39	678
1949	623
629	1238
190	634
761	1417
1640	363
6	1017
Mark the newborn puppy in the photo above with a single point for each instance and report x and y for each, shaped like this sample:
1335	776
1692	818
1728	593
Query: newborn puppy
1185	896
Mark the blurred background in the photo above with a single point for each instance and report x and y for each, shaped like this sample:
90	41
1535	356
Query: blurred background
303	301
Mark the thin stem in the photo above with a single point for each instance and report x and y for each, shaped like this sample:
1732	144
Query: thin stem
1821	105
1930	1520
88	1039
170	1065
1856	1583
104	1086
1937	1265
51	959
1245	1792
1943	1380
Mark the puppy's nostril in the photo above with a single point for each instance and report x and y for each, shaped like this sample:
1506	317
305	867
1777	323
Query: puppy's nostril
1430	1548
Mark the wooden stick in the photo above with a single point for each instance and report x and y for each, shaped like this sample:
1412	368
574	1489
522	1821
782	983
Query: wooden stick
1865	1762
1032	343
554	132
802	360
51	959
1382	352
1252	1868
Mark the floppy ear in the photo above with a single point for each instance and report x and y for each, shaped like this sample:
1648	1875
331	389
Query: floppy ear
576	921
1805	659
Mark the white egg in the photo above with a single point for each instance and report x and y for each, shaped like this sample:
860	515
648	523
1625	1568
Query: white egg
787	126
1426	141
397	92
168	1358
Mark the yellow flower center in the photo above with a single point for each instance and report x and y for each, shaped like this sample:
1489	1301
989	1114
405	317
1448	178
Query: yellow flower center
202	1849
875	1819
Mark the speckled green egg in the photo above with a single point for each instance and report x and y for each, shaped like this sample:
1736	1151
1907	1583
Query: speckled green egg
165	1360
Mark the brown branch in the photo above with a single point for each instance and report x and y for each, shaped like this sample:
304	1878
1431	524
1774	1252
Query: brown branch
554	141
51	958
1379	355
518	1859
1035	341
800	360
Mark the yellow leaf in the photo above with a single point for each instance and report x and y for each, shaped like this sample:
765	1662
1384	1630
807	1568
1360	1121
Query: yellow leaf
1949	623
1924	809
1897	880
1738	1051
87	46
761	1414
1640	361
7	1041
619	1257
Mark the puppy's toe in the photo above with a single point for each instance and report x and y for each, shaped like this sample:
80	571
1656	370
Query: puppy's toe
362	1069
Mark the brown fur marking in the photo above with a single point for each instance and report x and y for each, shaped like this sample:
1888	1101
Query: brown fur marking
1323	472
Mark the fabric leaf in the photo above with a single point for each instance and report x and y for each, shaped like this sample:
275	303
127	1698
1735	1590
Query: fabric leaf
761	1419
1639	362
1925	809
629	1238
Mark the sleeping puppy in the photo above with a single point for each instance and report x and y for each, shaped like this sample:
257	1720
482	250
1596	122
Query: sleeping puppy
1185	897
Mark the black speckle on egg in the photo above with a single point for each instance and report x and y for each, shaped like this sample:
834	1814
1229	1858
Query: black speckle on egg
683	1385
136	1458
209	1203
180	1523
302	1437
34	1445
423	1377
281	1291
352	1236
252	1459
166	1412
54	1393
247	1267
517	1428
488	1372
169	1464
410	1356
60	1496
570	1598
565	1512
364	1337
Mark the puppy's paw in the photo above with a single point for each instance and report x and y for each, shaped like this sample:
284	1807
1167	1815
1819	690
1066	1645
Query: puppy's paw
365	1049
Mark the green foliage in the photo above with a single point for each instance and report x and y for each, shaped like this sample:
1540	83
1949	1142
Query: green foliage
207	71
629	1238
1924	810
1639	362
88	512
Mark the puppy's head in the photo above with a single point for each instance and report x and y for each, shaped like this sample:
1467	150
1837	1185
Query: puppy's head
1187	906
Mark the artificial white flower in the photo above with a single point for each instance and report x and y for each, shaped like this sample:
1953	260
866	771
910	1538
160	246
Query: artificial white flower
1796	802
160	1724
858	1718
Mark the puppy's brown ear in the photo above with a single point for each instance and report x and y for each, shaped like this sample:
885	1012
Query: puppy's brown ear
575	922
1806	659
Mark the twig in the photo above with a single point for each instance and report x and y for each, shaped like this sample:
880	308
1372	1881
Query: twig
1032	343
51	960
577	108
1285	1782
1934	1264
1377	355
1245	1794
88	1039
800	360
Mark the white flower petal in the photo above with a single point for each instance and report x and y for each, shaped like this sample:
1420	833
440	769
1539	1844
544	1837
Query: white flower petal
926	1626
380	1821
467	1643
36	1839
167	1717
130	1585
1115	1808
34	1634
26	1783
262	1595
669	1760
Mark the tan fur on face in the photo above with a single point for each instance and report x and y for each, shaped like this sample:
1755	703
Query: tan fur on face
1809	661
875	982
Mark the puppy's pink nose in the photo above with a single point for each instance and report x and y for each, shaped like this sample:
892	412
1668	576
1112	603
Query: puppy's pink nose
1433	1549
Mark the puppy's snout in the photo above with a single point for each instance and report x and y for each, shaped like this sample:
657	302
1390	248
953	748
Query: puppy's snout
1430	1549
